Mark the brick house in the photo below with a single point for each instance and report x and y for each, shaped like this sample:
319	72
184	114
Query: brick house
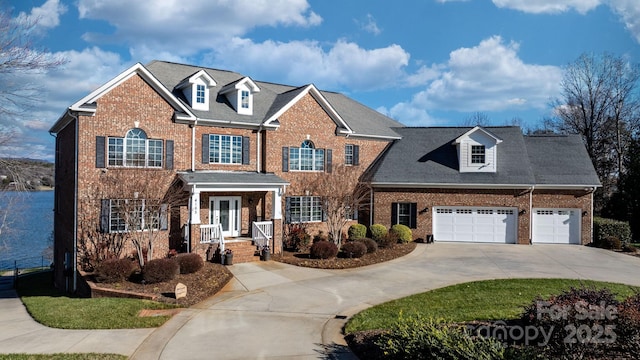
240	155
488	184
241	151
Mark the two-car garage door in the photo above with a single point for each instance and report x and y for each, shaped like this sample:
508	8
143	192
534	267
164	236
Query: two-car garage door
475	224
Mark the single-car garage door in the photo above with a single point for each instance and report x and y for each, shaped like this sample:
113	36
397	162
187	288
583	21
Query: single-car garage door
475	224
556	226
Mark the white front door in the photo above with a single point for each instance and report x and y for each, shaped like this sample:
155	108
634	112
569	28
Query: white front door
226	210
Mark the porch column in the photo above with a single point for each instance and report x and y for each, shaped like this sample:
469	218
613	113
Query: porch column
277	203
194	206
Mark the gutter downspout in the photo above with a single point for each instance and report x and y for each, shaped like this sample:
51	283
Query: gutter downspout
258	150
193	145
533	187
593	190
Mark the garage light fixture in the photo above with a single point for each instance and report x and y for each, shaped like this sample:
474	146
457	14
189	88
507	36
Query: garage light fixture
424	211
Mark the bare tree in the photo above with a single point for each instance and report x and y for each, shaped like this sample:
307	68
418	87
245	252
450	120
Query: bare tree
600	102
343	195
476	119
135	205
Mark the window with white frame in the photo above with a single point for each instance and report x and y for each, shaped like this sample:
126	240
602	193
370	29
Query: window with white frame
348	154
200	94
302	209
244	99
306	157
134	150
225	149
133	215
478	154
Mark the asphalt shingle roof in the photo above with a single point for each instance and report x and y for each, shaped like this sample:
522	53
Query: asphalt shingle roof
271	98
427	156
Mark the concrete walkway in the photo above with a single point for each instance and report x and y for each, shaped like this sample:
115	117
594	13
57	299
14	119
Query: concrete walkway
273	310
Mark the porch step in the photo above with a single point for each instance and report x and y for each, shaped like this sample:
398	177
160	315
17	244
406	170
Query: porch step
243	251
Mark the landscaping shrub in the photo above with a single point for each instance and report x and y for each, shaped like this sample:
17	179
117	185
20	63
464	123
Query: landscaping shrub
160	270
403	232
357	231
419	338
114	270
297	240
610	242
388	240
353	249
603	228
371	245
378	231
323	250
320	236
189	263
574	329
628	324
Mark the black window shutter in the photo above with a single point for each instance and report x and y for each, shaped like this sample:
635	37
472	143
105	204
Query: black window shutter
164	217
394	213
356	155
168	161
205	148
246	155
100	148
354	213
287	210
285	159
414	216
328	160
105	208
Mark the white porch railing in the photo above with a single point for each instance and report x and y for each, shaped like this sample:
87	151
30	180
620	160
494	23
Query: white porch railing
262	233
211	234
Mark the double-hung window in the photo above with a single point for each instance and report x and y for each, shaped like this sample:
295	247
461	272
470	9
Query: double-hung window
200	94
478	154
302	209
351	154
134	150
404	213
124	215
306	157
225	149
244	99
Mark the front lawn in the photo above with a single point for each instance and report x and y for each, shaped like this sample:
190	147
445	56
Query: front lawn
62	357
479	300
52	308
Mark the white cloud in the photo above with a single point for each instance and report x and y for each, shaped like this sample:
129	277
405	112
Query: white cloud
370	25
343	65
487	77
44	17
629	12
186	27
549	6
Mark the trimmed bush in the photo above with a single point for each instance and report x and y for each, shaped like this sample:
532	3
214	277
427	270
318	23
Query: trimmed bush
420	338
320	236
388	240
403	232
189	263
378	231
323	250
297	240
603	228
371	245
114	270
160	270
353	249
611	243
357	231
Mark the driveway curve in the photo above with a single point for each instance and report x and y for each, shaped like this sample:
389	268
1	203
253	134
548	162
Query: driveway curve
273	310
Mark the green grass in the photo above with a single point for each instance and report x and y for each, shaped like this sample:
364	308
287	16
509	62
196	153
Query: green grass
62	357
479	300
55	309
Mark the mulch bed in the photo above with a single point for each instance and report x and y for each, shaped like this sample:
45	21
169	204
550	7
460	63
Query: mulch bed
200	285
382	255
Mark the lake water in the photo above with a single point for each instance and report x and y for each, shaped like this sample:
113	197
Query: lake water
26	231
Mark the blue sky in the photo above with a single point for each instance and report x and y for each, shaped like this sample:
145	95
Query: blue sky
422	62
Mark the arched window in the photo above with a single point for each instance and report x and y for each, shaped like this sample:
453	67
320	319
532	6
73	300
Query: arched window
306	157
135	150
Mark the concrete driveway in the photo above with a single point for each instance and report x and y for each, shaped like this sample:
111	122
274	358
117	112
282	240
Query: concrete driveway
273	310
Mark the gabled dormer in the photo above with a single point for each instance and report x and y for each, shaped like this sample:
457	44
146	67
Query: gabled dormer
477	150
196	89
240	95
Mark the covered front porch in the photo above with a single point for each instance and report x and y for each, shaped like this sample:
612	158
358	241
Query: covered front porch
230	209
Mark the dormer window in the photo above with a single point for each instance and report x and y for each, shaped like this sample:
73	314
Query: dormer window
240	95
200	94
245	99
478	154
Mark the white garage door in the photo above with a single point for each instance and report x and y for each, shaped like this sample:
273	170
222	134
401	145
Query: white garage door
476	224
556	226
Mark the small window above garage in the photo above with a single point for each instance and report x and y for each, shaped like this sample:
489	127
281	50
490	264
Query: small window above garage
477	150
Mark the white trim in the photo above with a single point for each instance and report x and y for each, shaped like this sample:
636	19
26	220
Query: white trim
193	78
449	186
466	135
245	82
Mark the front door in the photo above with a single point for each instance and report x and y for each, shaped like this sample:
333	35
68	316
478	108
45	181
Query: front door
225	210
